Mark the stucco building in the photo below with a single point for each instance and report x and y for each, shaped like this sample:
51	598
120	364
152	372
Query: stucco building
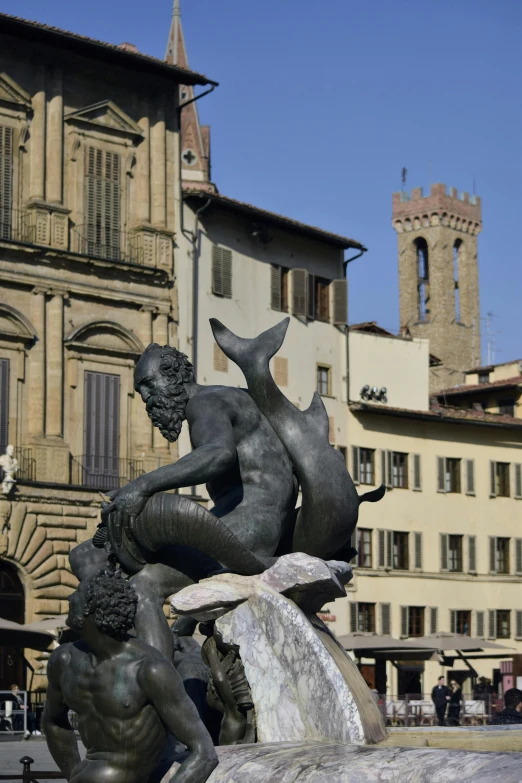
89	214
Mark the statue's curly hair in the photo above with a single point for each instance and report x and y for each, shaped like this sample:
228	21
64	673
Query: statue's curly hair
113	601
167	411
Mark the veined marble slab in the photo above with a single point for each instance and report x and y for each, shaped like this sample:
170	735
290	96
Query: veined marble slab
329	762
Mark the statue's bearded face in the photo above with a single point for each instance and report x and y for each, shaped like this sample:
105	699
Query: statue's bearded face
161	377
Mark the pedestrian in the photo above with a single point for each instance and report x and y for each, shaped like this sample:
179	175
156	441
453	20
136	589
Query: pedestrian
440	696
512	712
18	718
480	690
454	704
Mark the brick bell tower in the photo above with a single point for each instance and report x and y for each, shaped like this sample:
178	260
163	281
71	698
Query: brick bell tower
438	277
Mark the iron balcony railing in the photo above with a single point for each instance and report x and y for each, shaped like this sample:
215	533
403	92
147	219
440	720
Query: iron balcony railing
103	473
97	241
17	226
26	470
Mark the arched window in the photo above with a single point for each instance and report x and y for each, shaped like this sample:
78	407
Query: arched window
456	251
423	279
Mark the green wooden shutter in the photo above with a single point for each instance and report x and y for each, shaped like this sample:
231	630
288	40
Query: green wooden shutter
518	555
6	181
275	287
441	475
492	479
339	302
443	552
386	619
472	554
355	464
417	472
4	404
417	537
492	624
492	555
470	477
353	617
389	468
381	535
518	480
479	619
433	620
518	624
389	549
299	286
404	621
453	621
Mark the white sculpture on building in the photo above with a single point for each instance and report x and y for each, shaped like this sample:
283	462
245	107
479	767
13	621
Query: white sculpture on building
9	465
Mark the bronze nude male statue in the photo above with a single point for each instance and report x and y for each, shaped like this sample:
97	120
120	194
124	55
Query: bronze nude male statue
127	695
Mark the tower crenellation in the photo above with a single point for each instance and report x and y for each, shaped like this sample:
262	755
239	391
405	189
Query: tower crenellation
438	275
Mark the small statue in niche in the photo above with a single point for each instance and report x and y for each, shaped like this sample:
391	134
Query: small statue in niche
9	465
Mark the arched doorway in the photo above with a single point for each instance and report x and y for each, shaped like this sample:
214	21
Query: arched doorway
12	607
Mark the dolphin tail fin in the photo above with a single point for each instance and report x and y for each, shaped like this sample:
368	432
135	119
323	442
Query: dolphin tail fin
249	352
317	418
374	495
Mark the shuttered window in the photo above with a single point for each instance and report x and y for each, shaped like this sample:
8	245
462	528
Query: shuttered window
416	472
386	619
492	554
310	297
103	197
470	477
518	624
322	299
443	552
479	629
101	427
441	482
518	480
6	181
404	621
299	288
518	555
417	539
4	404
279	288
355	464
387	468
472	554
339	302
492	624
222	272
353	617
381	535
453	621
492	480
389	549
433	620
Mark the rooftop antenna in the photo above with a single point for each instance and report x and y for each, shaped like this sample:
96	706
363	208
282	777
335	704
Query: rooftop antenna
491	338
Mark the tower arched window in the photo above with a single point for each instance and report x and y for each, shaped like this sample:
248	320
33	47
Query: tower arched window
423	279
456	252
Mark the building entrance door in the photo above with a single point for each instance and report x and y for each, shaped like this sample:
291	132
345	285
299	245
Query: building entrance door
12	601
410	680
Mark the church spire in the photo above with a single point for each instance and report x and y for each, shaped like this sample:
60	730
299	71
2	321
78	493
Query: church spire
195	139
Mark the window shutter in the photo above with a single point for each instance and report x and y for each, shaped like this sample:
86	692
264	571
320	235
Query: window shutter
281	370
226	256
453	621
518	480
492	479
470	477
404	621
417	538
220	359
6	181
480	624
433	620
353	617
389	470
518	555
383	468
299	292
217	271
441	475
492	555
353	544
416	471
389	549
355	464
472	554
310	298
381	534
275	287
443	552
339	302
103	202
4	404
518	624
385	619
492	624
101	424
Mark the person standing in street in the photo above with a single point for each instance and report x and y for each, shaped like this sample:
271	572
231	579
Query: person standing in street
454	704
440	696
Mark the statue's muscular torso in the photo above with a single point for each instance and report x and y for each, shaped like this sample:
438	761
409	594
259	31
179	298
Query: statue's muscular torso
113	712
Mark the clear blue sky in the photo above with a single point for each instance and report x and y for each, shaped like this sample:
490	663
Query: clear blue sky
321	104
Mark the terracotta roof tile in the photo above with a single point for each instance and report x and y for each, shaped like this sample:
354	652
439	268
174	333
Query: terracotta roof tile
281	220
442	413
472	387
16	25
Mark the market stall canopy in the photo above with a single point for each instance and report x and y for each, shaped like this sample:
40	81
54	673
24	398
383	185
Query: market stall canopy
16	635
51	624
382	647
457	641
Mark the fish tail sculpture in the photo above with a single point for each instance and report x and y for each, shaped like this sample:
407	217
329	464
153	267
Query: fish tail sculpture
330	505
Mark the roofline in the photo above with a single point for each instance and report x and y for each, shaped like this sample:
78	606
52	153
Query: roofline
490	367
404	413
477	389
37	31
289	224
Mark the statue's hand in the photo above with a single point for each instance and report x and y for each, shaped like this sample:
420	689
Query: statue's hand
129	500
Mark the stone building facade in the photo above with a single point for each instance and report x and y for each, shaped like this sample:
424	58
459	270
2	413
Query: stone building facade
438	277
89	211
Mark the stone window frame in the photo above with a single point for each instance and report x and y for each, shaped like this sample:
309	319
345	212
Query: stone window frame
15	108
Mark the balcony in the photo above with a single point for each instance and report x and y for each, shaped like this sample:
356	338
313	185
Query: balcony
26	470
17	226
97	241
104	473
